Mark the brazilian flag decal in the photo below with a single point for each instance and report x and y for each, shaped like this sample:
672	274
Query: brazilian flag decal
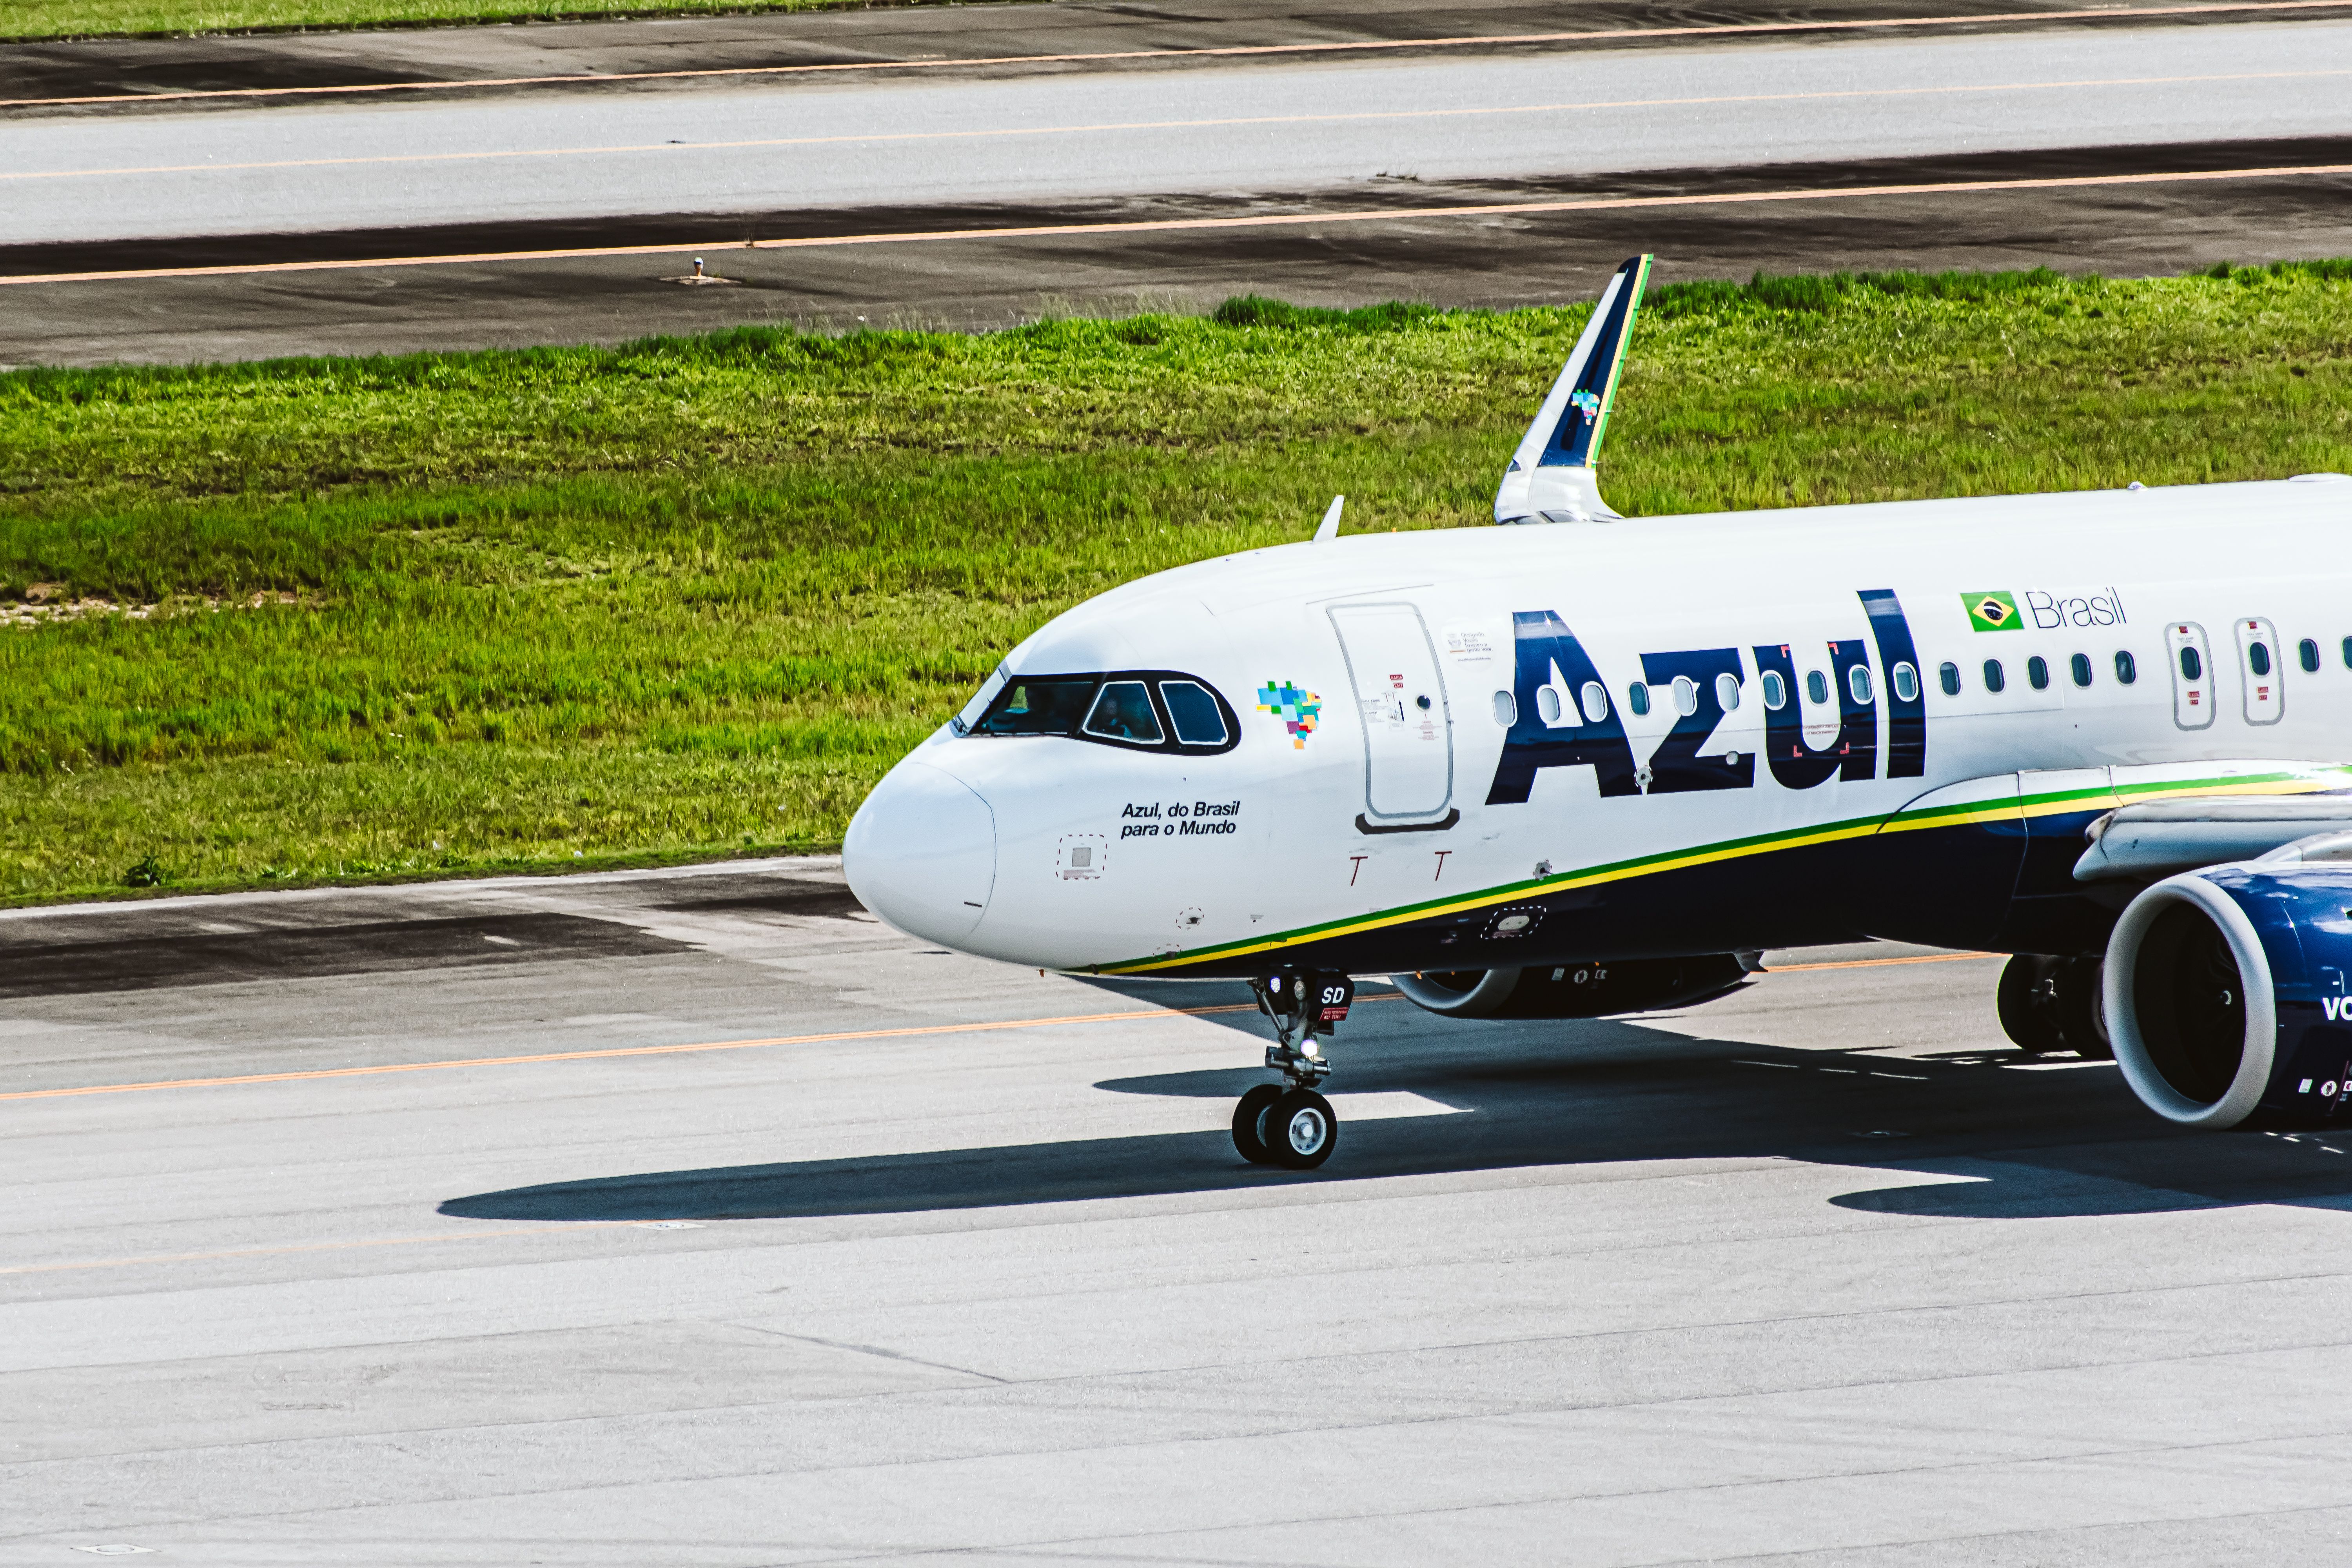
1993	610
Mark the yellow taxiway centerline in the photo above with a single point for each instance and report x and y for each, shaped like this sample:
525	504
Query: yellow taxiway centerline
488	154
1165	225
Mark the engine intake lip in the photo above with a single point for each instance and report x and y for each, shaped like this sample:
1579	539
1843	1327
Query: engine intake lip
1482	1000
2255	1057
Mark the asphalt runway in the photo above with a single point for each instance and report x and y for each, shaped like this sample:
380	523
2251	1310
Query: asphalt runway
1104	165
691	1218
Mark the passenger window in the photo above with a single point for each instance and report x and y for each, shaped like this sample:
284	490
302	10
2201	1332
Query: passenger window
1596	702
1123	713
2191	666
1994	680
2258	657
1637	697
1506	706
1907	683
2127	669
1776	690
1816	686
2347	653
1949	675
1857	680
1726	692
2037	673
1037	707
1686	696
1193	712
1548	703
2309	650
2081	666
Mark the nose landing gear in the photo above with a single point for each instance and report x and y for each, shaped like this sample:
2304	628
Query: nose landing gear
1288	1123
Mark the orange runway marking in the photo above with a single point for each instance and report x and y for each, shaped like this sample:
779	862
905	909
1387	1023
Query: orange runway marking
1164	226
1228	52
1882	962
631	1051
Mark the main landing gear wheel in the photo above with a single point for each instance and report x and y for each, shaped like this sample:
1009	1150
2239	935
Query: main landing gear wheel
2028	1002
2082	1007
1300	1130
1249	1123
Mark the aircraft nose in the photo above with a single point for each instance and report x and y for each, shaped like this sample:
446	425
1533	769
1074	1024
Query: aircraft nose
922	853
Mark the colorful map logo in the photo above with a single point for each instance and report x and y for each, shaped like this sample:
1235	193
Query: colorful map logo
1299	709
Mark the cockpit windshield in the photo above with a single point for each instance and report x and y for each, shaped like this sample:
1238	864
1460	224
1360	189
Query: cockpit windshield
1050	707
1123	713
1159	711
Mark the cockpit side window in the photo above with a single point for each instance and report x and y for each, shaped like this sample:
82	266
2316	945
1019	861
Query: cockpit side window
1052	706
1137	709
1194	713
1123	713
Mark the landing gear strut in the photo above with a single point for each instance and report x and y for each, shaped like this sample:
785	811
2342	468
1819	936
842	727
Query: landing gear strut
1288	1123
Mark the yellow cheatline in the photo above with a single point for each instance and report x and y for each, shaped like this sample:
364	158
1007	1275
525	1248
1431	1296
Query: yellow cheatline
2013	809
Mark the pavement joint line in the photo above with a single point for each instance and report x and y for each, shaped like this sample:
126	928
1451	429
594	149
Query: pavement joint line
1166	226
694	1048
994	132
1224	51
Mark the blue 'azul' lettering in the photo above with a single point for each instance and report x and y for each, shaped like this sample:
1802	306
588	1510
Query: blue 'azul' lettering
1545	653
1675	767
1853	754
1906	717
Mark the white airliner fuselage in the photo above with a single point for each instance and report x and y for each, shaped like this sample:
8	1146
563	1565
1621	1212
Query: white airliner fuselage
1209	863
1539	750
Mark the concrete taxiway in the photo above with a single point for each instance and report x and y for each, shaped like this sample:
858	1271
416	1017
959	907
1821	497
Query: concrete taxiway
693	1217
836	142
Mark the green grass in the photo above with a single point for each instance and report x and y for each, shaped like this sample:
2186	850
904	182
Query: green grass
26	19
565	607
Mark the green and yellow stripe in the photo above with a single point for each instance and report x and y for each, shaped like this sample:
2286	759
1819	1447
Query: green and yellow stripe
1958	814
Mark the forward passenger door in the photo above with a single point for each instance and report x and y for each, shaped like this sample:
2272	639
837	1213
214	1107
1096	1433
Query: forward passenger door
1400	697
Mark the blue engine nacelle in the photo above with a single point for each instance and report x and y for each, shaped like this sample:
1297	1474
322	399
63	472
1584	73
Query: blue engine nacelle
2226	999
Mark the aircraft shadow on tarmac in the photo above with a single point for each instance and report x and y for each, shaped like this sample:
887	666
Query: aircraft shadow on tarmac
1969	1135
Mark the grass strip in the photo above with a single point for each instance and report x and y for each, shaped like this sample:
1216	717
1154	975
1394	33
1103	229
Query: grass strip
26	20
334	619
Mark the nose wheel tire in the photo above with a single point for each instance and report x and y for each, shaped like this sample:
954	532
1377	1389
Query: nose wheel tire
1300	1130
1249	1123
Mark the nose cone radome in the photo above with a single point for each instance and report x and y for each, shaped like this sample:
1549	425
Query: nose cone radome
922	853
